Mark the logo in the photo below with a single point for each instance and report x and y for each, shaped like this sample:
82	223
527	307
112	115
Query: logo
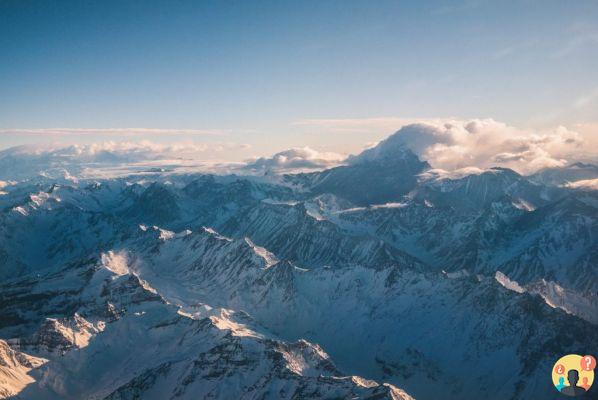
573	375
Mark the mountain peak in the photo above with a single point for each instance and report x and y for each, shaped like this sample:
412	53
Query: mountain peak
398	146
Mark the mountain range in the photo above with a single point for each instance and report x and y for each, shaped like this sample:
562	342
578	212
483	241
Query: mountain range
378	278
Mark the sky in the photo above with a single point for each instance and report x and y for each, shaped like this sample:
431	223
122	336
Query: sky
251	78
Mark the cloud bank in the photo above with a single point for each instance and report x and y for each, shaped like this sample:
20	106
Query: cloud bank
303	158
483	143
112	151
450	146
106	158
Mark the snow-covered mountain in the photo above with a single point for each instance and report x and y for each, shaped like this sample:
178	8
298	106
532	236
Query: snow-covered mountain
382	174
569	174
381	278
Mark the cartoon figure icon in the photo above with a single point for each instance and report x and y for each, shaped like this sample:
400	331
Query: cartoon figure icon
573	389
573	375
561	384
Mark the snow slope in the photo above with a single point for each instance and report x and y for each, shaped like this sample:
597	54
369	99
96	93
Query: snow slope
320	285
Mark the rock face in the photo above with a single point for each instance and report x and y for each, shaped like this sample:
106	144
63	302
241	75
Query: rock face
14	367
306	286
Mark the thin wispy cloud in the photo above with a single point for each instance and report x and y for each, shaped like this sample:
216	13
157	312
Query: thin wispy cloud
515	48
128	150
114	131
357	125
583	39
586	99
585	102
457	7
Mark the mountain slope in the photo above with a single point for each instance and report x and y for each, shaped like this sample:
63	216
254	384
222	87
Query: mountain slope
516	335
118	339
169	285
371	178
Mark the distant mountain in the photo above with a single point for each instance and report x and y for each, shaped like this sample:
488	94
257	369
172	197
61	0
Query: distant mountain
568	174
478	191
26	162
382	174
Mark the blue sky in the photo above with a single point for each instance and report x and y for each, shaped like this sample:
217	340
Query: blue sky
278	74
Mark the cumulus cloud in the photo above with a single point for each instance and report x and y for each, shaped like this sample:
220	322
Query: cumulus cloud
113	151
457	144
301	158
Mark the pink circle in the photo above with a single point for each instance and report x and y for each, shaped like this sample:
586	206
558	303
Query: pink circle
588	363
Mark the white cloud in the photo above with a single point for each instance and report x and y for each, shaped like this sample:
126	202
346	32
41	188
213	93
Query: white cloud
482	143
438	174
303	158
587	99
113	151
591	184
582	40
113	158
453	145
104	152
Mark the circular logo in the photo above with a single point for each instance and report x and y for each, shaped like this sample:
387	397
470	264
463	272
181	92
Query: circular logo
573	375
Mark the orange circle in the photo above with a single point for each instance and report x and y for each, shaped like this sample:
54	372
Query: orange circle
559	369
